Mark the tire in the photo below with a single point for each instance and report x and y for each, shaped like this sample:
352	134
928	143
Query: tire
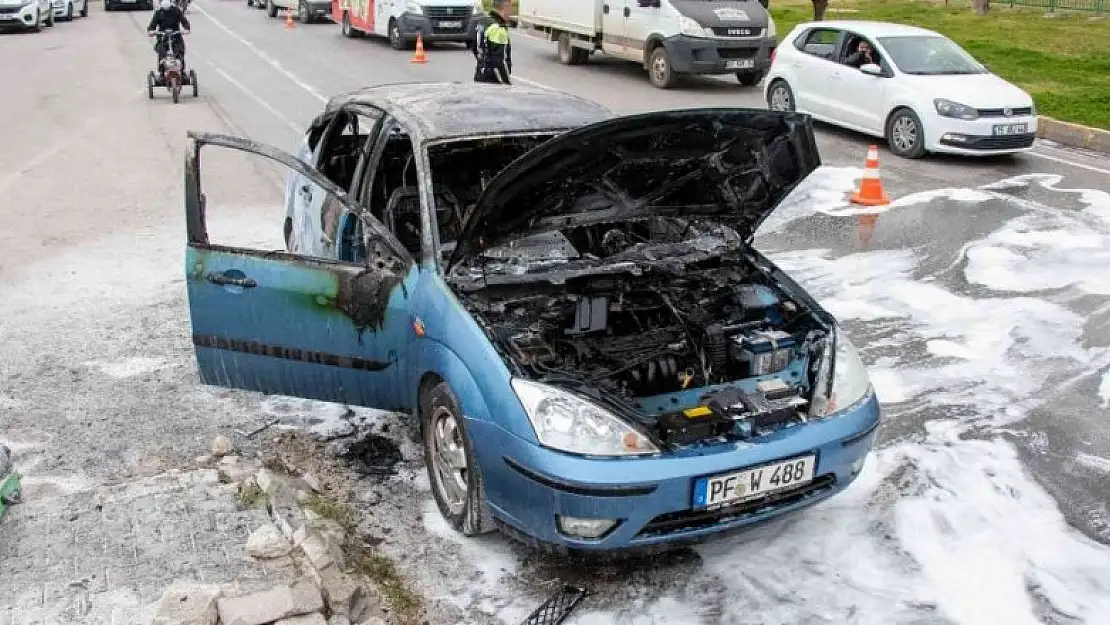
84	9
781	91
348	30
660	72
750	79
37	28
193	82
905	136
50	19
108	6
302	13
396	41
570	55
250	3
271	8
150	85
175	89
444	435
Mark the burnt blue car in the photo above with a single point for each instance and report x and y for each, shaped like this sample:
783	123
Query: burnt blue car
569	302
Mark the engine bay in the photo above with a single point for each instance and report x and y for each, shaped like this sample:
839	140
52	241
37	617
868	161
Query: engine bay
709	349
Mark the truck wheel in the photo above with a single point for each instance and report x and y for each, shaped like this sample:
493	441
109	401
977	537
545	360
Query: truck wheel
570	55
348	31
271	8
750	79
395	39
303	15
660	72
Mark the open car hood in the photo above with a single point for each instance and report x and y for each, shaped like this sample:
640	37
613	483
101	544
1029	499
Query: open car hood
731	164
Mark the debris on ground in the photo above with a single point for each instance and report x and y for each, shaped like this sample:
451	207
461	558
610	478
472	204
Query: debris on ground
10	485
557	607
370	453
186	603
267	542
222	446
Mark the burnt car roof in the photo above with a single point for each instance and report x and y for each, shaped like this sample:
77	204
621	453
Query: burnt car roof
446	110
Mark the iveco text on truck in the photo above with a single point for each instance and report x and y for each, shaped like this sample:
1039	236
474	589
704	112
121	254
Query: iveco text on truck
668	37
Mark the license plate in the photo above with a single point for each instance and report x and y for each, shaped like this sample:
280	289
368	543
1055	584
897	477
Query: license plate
753	483
1002	130
739	64
450	24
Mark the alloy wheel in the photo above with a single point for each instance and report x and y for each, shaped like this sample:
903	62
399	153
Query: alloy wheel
449	459
780	98
904	134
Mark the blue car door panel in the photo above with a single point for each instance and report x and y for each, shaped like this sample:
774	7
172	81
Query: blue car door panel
280	323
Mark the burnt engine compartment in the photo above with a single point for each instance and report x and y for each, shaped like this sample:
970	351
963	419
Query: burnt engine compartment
635	337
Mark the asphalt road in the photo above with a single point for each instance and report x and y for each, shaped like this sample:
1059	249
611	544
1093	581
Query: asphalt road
979	299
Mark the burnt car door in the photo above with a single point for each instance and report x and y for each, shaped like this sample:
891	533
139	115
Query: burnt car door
289	324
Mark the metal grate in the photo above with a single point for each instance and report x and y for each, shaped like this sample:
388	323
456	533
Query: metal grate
557	607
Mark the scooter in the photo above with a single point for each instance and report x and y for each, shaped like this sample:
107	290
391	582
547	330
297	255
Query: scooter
170	75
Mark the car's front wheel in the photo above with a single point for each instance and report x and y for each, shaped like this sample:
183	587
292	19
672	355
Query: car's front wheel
660	71
780	97
396	39
452	467
905	135
84	9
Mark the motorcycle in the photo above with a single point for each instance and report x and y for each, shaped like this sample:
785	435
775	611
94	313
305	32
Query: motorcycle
169	73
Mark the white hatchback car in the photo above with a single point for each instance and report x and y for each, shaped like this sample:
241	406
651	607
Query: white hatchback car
919	90
66	9
27	14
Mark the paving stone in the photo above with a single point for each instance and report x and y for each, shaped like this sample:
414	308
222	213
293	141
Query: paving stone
268	542
301	597
308	619
344	594
107	555
187	604
222	446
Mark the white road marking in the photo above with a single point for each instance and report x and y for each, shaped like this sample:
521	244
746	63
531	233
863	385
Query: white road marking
1064	161
315	93
262	55
252	95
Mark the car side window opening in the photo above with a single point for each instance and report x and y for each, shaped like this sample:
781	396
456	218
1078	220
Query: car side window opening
343	145
850	54
820	42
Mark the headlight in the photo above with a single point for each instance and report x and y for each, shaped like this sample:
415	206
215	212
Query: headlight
414	7
568	423
771	32
948	108
851	381
689	27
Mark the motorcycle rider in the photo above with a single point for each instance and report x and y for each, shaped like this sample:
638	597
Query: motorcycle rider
493	50
169	17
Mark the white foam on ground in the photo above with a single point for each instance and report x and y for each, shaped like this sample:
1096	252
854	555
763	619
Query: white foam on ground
823	191
1094	462
129	367
325	419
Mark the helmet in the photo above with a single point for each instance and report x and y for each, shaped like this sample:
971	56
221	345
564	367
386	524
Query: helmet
165	4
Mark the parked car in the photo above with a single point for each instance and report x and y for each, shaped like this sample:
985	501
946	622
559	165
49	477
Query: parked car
569	303
114	5
926	94
26	14
66	9
307	11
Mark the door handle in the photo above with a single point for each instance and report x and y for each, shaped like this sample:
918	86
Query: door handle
605	9
627	11
224	279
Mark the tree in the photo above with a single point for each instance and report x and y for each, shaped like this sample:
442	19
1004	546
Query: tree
981	6
819	7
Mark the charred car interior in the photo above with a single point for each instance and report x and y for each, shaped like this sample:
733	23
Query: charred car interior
630	278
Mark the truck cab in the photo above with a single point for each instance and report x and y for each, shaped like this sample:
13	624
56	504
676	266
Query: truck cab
668	37
401	21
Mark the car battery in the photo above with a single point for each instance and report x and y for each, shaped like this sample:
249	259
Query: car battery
693	425
763	351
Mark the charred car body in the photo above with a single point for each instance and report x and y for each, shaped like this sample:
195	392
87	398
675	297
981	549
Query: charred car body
568	300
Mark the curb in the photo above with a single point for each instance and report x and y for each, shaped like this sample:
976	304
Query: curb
1073	135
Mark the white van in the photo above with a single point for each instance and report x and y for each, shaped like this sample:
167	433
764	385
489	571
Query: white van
402	20
669	37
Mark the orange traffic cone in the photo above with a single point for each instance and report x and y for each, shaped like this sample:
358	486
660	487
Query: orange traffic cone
870	192
289	19
866	227
419	56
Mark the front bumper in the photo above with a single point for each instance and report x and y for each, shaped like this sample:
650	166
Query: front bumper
699	55
20	17
318	9
60	8
447	27
978	136
527	485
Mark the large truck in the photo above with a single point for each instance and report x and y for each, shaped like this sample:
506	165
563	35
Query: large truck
668	37
401	21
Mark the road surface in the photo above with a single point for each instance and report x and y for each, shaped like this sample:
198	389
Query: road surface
979	299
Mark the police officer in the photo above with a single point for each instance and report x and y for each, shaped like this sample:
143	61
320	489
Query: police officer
493	51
